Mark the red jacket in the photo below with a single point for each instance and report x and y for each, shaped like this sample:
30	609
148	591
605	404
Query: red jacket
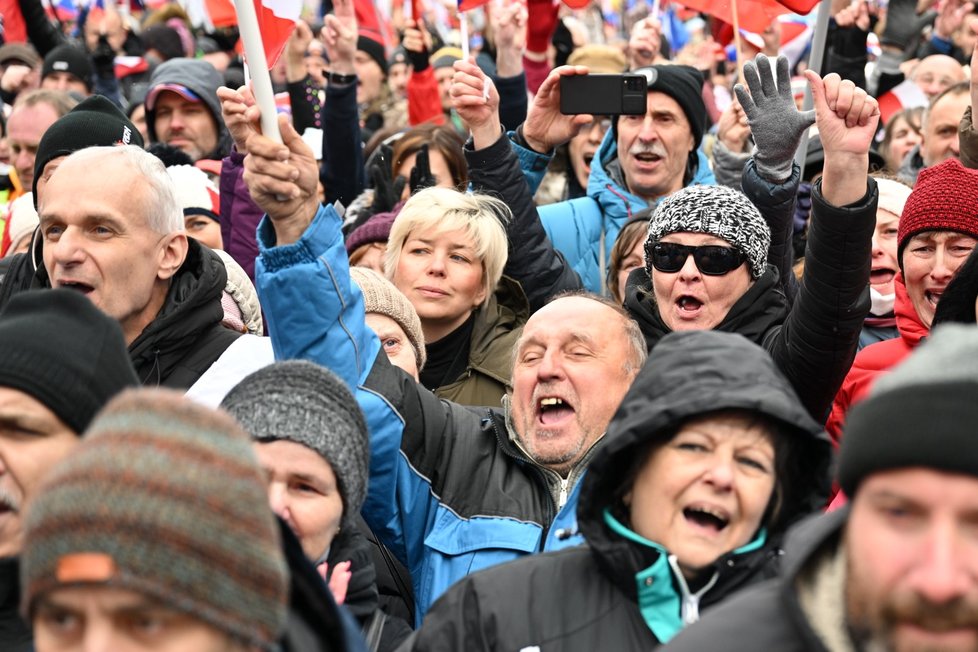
877	358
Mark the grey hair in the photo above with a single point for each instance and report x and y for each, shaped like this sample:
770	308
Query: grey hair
638	351
164	214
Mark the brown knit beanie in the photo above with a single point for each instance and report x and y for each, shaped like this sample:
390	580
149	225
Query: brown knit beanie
163	497
382	297
945	198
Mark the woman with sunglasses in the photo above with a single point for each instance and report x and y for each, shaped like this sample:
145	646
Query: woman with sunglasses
713	262
708	460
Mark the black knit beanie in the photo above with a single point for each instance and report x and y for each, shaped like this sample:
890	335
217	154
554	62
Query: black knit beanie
683	84
68	58
95	122
63	351
921	414
375	49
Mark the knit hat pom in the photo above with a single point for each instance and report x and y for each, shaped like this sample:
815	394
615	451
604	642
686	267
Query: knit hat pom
718	211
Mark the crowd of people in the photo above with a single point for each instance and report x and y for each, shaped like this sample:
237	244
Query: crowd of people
443	368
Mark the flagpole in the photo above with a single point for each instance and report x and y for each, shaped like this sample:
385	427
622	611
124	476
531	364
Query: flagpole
464	29
258	67
737	44
815	64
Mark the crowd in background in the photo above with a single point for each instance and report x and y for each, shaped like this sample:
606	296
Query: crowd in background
444	368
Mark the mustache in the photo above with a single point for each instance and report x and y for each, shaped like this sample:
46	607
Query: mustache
656	149
911	609
9	501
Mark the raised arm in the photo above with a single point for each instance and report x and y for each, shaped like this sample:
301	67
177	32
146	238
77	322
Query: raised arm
777	127
494	168
342	170
818	341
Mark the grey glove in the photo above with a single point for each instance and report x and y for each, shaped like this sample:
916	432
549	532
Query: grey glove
775	123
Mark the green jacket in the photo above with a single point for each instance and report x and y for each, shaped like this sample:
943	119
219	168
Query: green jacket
497	328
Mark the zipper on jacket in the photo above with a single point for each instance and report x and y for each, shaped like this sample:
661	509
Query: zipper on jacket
690	609
537	469
562	497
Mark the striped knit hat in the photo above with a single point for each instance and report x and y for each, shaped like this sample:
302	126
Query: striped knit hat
165	498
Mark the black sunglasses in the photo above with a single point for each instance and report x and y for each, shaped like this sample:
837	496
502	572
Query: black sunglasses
712	260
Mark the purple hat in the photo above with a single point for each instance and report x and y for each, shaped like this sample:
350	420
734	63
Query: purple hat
376	229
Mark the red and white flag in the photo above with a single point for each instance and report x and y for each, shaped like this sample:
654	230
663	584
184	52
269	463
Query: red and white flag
905	95
276	20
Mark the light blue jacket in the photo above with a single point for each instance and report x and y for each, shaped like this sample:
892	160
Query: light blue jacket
577	227
449	491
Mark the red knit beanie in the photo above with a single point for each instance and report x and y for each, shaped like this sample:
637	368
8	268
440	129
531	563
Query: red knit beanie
944	199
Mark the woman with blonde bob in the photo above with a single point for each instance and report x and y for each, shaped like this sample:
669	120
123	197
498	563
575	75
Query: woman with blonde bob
446	253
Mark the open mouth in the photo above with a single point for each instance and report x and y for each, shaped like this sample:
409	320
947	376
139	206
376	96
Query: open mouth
587	159
881	275
933	296
553	409
707	518
687	303
76	286
648	157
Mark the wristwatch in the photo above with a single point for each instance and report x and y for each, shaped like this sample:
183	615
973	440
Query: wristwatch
337	78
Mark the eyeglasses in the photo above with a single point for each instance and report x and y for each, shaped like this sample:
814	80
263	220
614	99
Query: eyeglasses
712	260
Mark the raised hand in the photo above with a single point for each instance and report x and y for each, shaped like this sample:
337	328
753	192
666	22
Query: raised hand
339	35
545	126
846	116
847	119
475	99
775	122
732	128
509	30
421	176
645	43
240	115
282	180
387	190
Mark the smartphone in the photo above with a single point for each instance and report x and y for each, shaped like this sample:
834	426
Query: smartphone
624	94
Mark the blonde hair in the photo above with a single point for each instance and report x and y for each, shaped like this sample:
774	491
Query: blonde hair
480	217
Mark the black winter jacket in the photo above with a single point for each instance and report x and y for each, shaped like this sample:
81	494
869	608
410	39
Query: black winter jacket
769	616
15	634
186	336
813	339
588	598
533	261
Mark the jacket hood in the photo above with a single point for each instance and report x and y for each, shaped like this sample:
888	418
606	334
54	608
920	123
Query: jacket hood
610	190
754	315
204	80
690	374
192	305
506	312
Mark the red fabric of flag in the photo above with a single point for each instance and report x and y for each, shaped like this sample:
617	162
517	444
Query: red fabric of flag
465	5
14	27
276	21
754	15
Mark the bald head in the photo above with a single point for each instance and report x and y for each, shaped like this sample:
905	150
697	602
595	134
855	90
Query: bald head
936	73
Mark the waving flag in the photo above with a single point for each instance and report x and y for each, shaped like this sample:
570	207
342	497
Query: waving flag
754	15
276	20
